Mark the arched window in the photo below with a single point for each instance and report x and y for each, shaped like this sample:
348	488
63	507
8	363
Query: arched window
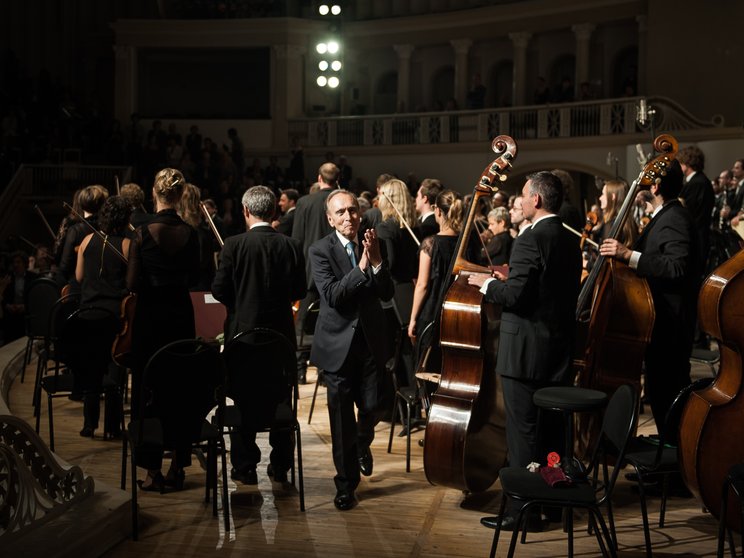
625	73
561	78
386	93
442	87
500	85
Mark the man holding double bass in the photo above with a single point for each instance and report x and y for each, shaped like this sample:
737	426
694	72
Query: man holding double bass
666	255
536	344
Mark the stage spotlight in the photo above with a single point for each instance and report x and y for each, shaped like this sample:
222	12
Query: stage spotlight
322	81
335	66
322	48
323	9
323	65
335	9
332	47
333	82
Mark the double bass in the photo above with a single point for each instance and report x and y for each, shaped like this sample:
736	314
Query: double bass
615	311
465	441
710	431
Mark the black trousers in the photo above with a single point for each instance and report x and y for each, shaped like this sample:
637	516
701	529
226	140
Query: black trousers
358	383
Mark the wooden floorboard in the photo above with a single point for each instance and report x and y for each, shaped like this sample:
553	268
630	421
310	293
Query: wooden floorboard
399	514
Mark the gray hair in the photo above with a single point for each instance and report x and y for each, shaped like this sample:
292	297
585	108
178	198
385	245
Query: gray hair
336	193
260	202
499	214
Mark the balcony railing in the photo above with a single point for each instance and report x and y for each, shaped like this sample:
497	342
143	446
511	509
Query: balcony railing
584	119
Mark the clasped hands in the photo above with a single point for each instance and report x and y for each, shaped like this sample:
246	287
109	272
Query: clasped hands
371	254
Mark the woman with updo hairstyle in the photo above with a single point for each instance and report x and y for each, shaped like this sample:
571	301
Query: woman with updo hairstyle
102	277
435	260
163	264
90	199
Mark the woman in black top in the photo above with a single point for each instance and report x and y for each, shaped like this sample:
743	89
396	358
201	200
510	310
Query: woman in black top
499	246
163	263
435	260
102	276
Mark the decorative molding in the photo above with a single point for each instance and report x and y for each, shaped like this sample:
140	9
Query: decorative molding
520	39
583	31
404	51
461	46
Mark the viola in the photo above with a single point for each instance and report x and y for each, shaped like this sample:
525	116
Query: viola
465	442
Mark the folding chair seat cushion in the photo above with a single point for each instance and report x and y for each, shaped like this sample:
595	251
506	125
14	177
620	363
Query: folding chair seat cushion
521	484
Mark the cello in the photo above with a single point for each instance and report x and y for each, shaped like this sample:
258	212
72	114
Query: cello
710	430
465	440
615	311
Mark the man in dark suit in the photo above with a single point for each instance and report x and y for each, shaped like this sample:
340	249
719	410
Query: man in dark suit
536	343
311	224
349	344
15	289
425	198
666	255
261	273
288	206
698	197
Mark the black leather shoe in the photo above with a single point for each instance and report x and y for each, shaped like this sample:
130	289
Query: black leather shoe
246	476
534	524
87	432
344	500
366	462
276	474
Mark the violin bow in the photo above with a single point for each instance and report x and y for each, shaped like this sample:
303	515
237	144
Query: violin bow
46	223
580	235
483	242
211	224
100	235
403	220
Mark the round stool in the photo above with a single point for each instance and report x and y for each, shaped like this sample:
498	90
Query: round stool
569	400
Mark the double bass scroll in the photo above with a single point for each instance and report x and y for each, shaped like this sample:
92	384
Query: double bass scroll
465	441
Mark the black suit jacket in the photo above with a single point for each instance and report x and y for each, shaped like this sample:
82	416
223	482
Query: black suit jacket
261	273
669	262
349	298
427	227
311	224
286	223
699	199
539	304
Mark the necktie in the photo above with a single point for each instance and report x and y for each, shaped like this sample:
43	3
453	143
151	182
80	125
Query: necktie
350	252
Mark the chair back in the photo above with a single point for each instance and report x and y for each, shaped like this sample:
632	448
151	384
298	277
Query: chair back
619	423
309	320
262	372
40	298
181	383
669	435
62	309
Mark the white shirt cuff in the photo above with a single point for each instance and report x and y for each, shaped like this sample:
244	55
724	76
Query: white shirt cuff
634	257
376	268
484	287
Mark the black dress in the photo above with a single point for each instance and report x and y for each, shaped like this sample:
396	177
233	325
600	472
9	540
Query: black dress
103	286
163	263
441	248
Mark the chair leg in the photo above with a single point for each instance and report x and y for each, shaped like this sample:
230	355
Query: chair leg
664	496
722	521
644	514
497	531
606	533
27	357
135	524
123	460
408	437
569	528
518	525
300	475
208	483
393	417
51	422
213	480
312	403
595	517
225	490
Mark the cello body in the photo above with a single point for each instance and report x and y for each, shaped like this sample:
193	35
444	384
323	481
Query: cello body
465	441
711	439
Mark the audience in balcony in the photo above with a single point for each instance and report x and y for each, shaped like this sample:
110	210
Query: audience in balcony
476	97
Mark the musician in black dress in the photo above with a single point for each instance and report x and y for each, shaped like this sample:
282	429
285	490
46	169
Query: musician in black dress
102	276
163	263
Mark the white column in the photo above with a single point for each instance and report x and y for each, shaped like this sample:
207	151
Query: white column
403	100
583	32
462	47
642	55
520	42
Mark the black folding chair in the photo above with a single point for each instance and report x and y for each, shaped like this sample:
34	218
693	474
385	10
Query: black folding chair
182	382
40	298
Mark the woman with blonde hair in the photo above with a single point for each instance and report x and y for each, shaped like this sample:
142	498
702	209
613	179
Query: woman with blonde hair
435	260
189	209
163	263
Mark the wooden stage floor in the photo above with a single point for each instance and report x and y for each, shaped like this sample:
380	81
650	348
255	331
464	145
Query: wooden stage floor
399	514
